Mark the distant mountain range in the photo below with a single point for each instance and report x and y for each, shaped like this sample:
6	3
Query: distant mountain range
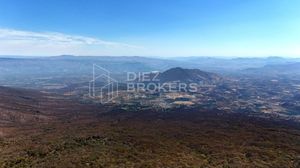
288	69
77	65
18	71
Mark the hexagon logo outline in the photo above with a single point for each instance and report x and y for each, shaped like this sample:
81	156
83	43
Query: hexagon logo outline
107	92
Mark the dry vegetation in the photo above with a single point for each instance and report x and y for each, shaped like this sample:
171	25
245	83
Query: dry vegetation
178	138
44	130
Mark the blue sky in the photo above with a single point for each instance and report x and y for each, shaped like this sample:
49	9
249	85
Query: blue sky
150	27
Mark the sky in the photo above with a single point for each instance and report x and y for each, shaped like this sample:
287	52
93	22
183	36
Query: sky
166	28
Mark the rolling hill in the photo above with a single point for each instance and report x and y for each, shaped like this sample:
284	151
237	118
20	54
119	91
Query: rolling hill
188	76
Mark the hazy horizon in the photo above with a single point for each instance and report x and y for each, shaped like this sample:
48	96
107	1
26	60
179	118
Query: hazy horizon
154	57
